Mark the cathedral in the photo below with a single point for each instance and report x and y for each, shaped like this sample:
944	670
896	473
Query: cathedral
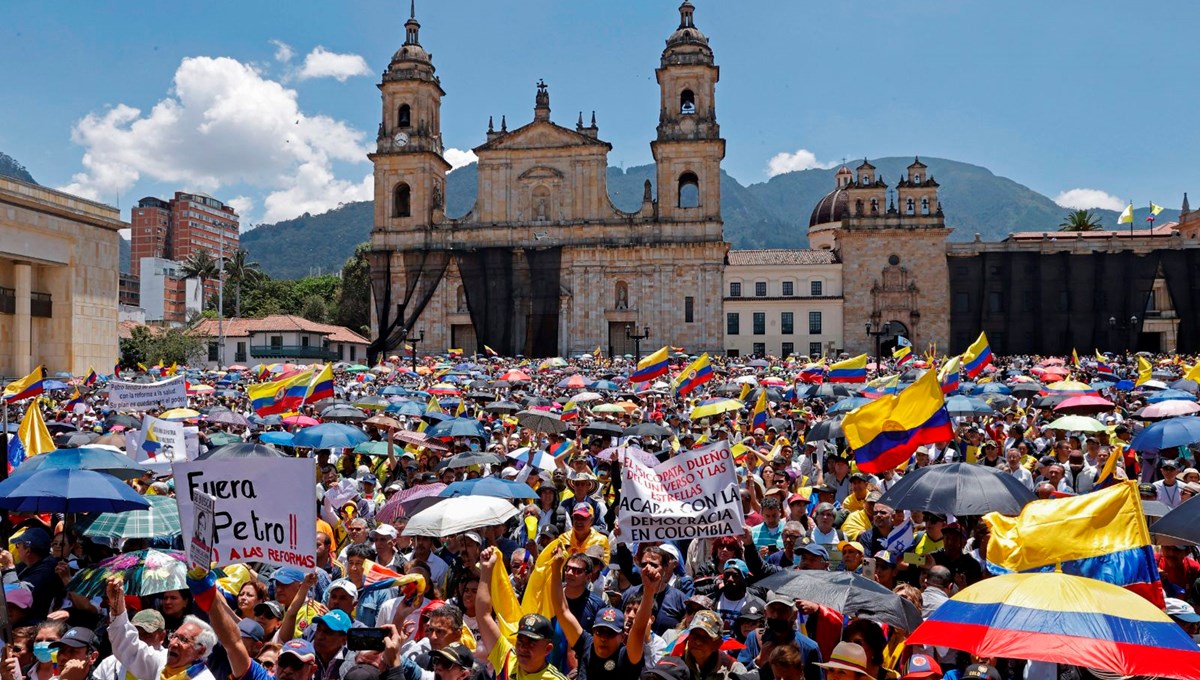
544	264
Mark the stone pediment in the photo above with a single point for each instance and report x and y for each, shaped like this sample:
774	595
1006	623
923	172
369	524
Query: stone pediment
541	135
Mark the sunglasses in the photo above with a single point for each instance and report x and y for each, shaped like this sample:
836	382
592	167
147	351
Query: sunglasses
291	662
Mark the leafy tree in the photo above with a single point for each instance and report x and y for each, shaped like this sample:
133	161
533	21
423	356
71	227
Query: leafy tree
201	265
150	346
314	308
242	271
354	303
1080	220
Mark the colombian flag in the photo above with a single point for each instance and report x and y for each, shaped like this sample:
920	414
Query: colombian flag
977	356
1074	358
29	386
849	371
1100	535
651	367
321	386
902	354
888	384
570	410
280	395
91	377
454	351
1103	369
76	398
759	416
1107	476
32	438
948	376
696	374
885	432
813	373
490	352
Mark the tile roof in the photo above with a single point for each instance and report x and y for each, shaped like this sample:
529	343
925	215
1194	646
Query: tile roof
1159	230
235	328
781	256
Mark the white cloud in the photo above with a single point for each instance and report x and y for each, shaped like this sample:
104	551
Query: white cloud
321	63
223	124
802	159
459	157
283	51
243	205
1083	199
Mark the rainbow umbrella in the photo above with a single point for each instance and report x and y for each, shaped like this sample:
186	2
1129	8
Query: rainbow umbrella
1065	619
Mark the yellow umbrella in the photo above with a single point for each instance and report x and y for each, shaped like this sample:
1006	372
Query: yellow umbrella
715	408
607	408
179	414
1070	386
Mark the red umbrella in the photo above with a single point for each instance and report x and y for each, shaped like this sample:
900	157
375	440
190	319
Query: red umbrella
1085	404
515	376
575	382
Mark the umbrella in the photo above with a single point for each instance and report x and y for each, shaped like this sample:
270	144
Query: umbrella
372	402
1186	385
405	408
179	414
468	459
542	421
222	438
1026	389
418	439
405	502
116	440
850	403
146	572
714	407
372	448
383	422
265	421
226	417
608	408
68	490
541	459
302	421
958	489
847	593
277	438
124	420
586	396
68	440
1167	395
456	427
1168	433
647	430
826	430
1069	386
515	375
161	519
961	406
343	412
456	515
239	451
602	429
329	436
489	486
992	388
84	458
1169	409
1064	619
502	407
1085	404
829	391
1078	424
1181	523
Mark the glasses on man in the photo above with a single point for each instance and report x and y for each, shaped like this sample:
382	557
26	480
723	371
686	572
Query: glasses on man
573	569
179	637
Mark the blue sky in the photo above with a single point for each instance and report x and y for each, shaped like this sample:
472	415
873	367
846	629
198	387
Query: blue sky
142	98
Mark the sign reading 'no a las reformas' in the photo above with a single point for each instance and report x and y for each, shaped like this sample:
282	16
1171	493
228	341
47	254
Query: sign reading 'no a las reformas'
693	495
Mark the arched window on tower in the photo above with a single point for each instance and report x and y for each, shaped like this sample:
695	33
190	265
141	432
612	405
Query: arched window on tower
858	207
687	102
924	206
401	200
916	178
874	206
404	117
910	207
689	190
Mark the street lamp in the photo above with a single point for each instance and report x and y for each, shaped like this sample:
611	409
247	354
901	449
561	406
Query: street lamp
1131	326
413	341
884	331
637	341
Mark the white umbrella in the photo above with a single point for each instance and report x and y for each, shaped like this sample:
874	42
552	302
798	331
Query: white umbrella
586	396
459	514
746	379
541	459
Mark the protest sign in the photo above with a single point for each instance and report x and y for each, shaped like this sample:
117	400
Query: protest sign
692	495
127	396
203	530
160	440
266	510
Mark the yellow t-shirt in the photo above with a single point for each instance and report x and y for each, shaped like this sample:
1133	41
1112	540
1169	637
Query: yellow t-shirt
504	659
856	523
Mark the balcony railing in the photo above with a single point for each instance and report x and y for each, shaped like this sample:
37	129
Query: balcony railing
40	305
288	351
8	300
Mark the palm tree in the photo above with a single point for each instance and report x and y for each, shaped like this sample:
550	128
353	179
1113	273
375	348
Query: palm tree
200	265
241	270
1080	220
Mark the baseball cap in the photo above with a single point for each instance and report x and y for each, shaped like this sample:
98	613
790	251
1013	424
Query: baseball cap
582	510
735	563
668	668
150	621
886	558
815	549
1178	609
708	622
473	536
361	671
286	575
699	601
873	496
853	545
19	595
610	618
796	498
385	530
980	671
535	626
776	598
270	609
251	629
549	531
1169	463
301	649
848	656
337	621
76	637
457	654
752	611
921	666
345	585
860	476
34	537
671	550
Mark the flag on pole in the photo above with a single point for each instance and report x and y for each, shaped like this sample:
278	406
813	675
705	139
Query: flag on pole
759	416
91	377
744	393
570	410
29	386
651	367
948	375
32	437
433	406
1074	358
813	373
853	370
902	354
281	395
978	356
884	433
1145	371
1155	209
696	374
596	352
490	352
1126	215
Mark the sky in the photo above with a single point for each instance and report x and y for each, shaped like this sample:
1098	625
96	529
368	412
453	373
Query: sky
1092	103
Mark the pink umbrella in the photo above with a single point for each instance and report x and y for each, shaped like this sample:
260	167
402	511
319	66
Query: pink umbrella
402	504
1170	408
515	376
1085	404
302	421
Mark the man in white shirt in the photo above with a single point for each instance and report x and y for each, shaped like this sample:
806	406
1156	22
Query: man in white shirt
151	630
1168	490
1012	458
187	649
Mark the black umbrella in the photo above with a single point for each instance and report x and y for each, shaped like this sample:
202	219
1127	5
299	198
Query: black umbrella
1186	385
124	420
772	395
480	395
343	412
829	391
847	593
70	440
502	407
326	403
958	489
778	423
1051	400
239	451
56	427
468	459
826	430
646	430
603	429
1181	524
1025	389
541	421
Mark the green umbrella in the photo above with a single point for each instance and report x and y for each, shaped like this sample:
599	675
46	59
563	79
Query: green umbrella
161	519
1076	424
374	448
357	368
222	438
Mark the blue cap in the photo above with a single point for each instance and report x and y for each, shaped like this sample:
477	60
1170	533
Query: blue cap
737	564
815	549
286	575
35	537
610	618
301	649
337	620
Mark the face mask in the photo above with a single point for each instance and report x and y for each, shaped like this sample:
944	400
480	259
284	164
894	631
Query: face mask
41	651
779	626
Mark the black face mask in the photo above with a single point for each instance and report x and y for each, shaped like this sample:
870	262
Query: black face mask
779	626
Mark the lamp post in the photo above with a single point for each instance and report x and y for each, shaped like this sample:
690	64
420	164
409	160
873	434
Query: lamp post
413	341
637	341
1131	326
884	330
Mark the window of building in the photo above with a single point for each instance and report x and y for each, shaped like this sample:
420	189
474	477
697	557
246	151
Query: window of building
353	352
816	288
874	206
732	353
689	309
786	323
401	200
814	349
760	349
213	353
733	323
789	288
814	323
910	206
304	341
917	178
404	117
760	323
689	190
788	349
276	341
735	289
760	289
687	102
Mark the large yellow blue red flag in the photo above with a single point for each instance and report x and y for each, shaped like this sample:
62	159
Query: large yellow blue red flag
281	395
696	374
948	375
32	437
651	367
902	354
813	372
320	386
853	370
29	386
1100	535
977	356
758	417
884	433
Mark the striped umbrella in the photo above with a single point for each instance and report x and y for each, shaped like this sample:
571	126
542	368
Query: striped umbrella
161	519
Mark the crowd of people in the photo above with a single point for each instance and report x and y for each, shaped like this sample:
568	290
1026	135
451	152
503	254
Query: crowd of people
674	610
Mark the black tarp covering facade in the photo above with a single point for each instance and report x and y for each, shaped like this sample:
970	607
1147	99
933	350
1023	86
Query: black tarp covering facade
513	298
423	271
1051	303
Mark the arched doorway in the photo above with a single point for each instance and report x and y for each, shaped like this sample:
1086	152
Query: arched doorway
888	342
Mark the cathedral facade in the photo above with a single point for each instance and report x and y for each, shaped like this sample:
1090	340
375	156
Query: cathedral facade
543	263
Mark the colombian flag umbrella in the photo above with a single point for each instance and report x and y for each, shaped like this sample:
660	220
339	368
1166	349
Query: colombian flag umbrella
1060	618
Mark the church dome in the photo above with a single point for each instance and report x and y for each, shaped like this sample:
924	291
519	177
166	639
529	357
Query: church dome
687	44
832	208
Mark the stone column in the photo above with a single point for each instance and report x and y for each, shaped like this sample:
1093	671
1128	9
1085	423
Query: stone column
22	348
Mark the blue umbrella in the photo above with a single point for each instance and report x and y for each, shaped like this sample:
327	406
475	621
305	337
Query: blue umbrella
266	421
457	427
54	385
1124	385
961	406
489	486
847	405
1167	434
605	385
83	458
68	490
992	388
1165	395
405	408
277	438
394	389
329	436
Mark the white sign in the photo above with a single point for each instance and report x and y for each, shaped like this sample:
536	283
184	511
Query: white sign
267	510
692	495
127	396
203	529
160	440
